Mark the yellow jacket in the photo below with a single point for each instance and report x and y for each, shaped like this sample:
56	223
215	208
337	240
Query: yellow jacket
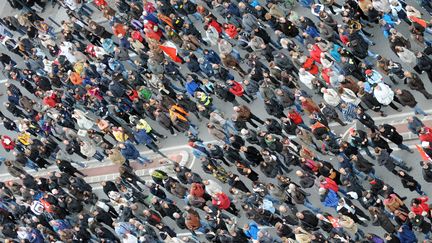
143	124
120	136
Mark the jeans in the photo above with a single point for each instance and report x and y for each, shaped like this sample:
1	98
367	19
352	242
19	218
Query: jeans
366	38
81	164
303	125
98	156
309	205
193	130
368	152
236	54
229	126
143	160
418	110
32	165
404	147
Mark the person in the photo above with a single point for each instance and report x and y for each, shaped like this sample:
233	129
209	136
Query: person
129	151
410	183
390	132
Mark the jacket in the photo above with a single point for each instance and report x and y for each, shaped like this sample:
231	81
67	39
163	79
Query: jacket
222	201
330	199
407	99
130	151
88	148
116	157
407	235
422	207
142	137
348	224
244	113
236	88
383	93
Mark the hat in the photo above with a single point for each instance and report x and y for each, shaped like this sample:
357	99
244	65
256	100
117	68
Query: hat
425	144
368	71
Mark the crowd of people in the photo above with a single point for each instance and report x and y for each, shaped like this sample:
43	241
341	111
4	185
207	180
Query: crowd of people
103	91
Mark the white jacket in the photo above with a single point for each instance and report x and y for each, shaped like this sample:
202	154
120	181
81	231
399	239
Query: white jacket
213	187
407	56
383	93
306	78
350	97
331	97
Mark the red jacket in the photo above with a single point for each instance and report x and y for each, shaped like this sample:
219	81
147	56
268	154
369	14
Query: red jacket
421	207
216	25
329	184
310	66
315	53
236	89
295	117
197	190
7	143
134	95
427	136
222	202
231	31
50	101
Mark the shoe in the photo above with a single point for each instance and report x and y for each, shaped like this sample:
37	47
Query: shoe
165	137
175	134
409	169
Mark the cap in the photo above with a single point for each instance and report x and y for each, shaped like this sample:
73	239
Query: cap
368	71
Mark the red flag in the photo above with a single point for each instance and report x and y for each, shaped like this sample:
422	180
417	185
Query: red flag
424	156
171	50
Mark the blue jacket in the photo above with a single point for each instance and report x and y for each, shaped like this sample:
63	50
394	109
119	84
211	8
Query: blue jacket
407	235
142	137
253	231
191	87
36	236
207	68
212	57
331	200
130	151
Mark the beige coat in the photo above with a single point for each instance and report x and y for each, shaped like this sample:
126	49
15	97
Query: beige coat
116	157
303	236
348	224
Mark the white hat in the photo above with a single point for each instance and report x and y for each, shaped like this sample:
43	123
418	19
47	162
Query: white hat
425	144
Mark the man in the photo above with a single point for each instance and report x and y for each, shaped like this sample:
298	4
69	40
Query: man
390	132
414	124
244	113
360	139
389	162
406	98
415	83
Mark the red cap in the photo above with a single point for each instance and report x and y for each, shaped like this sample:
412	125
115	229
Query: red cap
368	71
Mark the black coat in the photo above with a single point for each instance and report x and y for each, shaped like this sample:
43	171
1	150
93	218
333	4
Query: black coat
253	155
406	98
391	134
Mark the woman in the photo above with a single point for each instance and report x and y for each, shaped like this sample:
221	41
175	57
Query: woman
380	219
409	182
406	55
426	171
82	121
